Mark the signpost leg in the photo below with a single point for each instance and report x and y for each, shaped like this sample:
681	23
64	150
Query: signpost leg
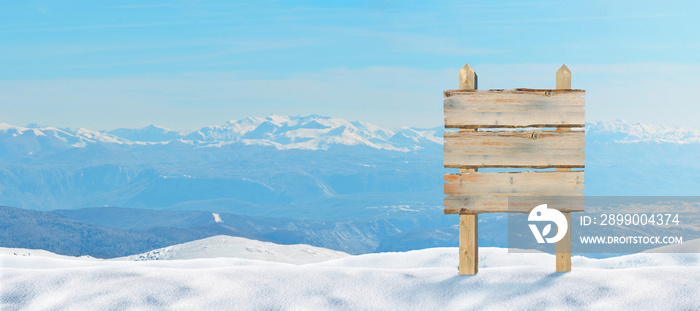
564	245
468	236
468	244
564	248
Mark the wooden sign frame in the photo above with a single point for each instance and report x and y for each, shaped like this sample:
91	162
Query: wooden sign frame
520	128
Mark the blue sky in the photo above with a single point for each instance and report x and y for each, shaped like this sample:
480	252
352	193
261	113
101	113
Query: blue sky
187	64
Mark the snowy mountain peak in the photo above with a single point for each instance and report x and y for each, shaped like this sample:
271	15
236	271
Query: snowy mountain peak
47	136
249	122
277	119
4	126
300	132
314	132
620	131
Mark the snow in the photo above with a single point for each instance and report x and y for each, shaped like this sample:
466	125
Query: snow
321	133
6	127
629	132
77	138
236	247
281	132
217	217
415	280
23	252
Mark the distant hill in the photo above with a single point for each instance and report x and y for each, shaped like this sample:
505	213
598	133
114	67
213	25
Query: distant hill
55	233
113	232
295	167
235	247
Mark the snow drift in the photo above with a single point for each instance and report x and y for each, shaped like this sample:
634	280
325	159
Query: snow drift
236	247
416	280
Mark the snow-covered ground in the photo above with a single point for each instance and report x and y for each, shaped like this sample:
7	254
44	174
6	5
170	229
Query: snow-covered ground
224	246
416	280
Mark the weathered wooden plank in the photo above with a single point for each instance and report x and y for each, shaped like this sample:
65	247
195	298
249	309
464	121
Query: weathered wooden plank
545	92
468	244
521	204
513	191
515	184
532	149
563	169
468	170
514	108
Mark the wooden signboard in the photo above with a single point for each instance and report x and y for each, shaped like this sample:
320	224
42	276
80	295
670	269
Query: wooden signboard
520	128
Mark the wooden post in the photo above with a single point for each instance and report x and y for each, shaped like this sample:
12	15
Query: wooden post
563	247
468	79
468	236
563	78
468	223
468	244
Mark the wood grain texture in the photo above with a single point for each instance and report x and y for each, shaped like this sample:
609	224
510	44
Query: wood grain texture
468	78
563	249
517	192
528	149
515	184
485	204
514	108
468	244
563	78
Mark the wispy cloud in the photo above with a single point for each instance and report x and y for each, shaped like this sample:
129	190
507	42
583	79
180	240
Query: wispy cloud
189	5
658	93
91	27
229	49
141	6
395	97
222	20
497	5
23	25
43	10
434	44
571	19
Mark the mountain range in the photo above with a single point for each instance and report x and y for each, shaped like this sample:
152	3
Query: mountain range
311	132
384	185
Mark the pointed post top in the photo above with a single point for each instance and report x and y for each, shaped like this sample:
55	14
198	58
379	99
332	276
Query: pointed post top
563	78
468	79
